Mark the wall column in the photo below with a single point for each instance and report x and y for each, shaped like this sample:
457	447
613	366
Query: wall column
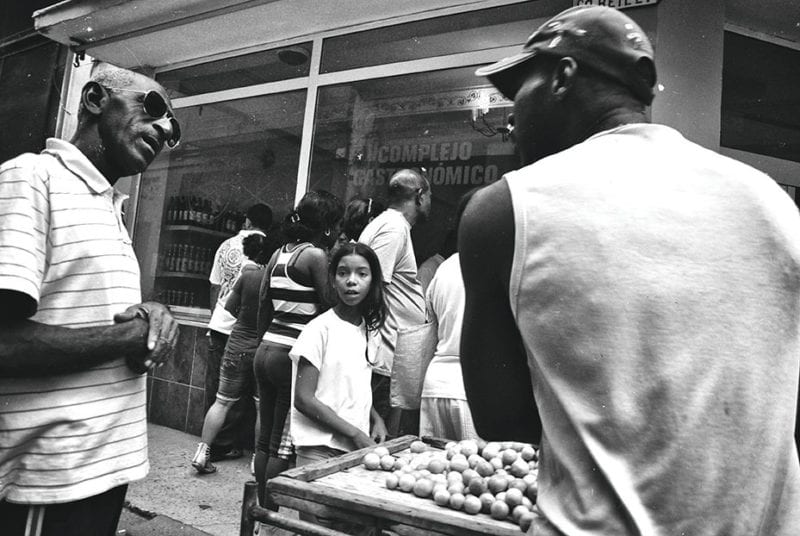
689	39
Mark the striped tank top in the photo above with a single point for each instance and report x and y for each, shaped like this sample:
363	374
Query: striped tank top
294	305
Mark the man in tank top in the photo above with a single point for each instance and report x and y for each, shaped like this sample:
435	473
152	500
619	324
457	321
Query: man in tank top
633	303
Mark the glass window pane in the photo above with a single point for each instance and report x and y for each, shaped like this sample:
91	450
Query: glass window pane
760	102
449	122
453	34
232	155
239	71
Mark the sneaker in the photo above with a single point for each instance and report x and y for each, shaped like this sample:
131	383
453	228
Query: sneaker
201	462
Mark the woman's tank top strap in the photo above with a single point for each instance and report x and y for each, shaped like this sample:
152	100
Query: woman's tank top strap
294	304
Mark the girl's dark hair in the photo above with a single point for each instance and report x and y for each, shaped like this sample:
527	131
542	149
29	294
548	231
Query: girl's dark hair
373	307
317	211
253	246
358	213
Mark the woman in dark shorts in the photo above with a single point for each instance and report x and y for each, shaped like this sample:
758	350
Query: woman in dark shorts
236	369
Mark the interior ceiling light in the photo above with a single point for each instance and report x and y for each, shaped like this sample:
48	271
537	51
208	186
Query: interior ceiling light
293	55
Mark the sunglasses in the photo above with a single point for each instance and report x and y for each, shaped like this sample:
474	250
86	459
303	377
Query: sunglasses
156	107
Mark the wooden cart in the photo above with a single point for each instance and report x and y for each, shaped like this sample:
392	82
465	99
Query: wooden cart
343	489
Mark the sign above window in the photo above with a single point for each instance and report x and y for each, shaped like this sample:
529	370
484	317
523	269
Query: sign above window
618	4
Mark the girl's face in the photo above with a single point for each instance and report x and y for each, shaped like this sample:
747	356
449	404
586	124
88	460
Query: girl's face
353	279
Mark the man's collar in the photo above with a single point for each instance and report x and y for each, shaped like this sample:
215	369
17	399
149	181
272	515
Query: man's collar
400	215
75	161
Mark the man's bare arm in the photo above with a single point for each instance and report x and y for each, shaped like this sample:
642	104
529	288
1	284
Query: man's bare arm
29	348
493	359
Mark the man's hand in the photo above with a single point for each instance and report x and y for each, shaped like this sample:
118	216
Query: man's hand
162	335
379	432
362	440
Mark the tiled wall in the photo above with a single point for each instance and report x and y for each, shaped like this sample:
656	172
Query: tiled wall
176	390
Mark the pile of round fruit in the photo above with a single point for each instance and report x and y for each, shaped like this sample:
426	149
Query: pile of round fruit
496	478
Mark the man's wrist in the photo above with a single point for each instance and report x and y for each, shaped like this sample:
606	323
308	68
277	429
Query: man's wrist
134	334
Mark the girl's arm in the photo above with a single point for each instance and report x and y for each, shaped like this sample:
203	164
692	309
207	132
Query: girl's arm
379	431
307	403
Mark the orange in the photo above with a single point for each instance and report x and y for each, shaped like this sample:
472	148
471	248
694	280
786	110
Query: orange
487	500
437	465
371	461
513	497
499	510
509	456
472	504
392	481
387	462
457	501
518	512
423	487
459	463
407	482
497	483
441	497
418	446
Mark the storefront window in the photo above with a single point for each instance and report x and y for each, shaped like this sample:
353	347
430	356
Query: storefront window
233	155
454	34
760	107
449	123
239	71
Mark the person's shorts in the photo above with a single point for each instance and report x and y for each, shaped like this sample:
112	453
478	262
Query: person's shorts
446	418
235	376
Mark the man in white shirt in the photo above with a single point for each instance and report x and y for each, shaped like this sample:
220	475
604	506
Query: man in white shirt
389	235
75	340
228	261
633	300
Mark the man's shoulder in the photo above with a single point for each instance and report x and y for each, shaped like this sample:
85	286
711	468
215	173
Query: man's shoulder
388	221
30	165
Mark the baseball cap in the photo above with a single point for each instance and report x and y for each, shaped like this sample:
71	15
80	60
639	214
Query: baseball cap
602	38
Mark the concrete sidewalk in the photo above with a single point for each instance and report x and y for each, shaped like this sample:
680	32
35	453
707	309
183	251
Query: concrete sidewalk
175	500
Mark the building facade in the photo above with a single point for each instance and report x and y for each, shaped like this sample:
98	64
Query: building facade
279	97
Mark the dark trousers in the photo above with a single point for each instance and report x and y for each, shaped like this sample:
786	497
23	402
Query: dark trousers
93	516
237	432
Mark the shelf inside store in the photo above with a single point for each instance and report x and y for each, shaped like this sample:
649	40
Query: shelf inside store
196	229
185	275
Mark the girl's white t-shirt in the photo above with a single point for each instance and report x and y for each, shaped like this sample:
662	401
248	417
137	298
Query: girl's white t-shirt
336	348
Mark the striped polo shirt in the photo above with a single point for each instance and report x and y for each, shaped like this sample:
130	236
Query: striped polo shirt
294	305
63	243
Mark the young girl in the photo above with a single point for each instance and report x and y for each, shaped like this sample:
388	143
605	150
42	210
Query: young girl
331	361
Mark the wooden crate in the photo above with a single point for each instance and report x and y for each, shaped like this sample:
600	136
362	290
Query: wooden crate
342	488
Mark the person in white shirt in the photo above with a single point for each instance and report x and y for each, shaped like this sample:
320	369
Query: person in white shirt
389	235
75	340
444	410
632	302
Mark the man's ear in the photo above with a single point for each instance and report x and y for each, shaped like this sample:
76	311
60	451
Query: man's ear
564	77
93	97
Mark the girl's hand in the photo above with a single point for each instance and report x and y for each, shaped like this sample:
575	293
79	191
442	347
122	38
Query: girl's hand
362	440
379	431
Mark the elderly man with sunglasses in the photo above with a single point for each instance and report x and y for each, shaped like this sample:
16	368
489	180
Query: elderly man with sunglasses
75	341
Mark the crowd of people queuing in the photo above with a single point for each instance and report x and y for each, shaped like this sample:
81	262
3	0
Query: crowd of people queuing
617	310
351	268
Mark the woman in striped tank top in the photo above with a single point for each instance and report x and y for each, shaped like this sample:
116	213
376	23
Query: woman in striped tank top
298	291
